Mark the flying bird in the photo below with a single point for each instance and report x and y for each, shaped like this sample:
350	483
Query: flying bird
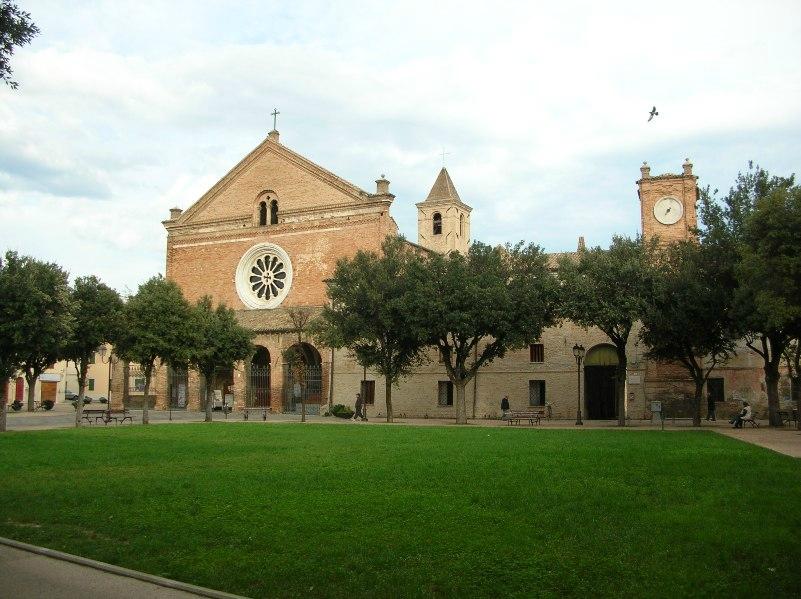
652	114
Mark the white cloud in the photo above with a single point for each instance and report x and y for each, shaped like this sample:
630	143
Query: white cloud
126	109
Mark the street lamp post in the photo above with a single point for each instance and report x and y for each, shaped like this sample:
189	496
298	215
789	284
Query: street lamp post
102	350
578	353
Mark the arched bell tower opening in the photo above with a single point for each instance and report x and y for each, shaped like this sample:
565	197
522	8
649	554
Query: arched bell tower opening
443	220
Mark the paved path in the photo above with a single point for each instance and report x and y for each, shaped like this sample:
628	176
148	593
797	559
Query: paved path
25	574
786	441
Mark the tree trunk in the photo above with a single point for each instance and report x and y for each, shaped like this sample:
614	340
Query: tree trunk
461	406
475	381
31	390
795	394
84	367
146	400
388	398
772	386
209	395
3	404
697	399
79	404
620	386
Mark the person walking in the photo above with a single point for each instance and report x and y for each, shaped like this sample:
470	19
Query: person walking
505	407
710	407
358	408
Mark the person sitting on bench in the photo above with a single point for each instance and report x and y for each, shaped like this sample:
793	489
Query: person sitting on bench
745	414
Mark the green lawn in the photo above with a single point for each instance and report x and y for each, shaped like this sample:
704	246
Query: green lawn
292	510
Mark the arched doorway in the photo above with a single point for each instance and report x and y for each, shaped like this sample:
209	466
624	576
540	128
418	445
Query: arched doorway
303	366
259	392
600	366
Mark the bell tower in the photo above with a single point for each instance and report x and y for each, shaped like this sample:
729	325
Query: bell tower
667	203
443	220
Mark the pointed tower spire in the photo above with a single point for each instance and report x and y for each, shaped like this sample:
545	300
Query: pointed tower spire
443	188
443	220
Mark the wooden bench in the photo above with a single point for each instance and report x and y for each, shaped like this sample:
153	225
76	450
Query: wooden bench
751	421
119	415
533	415
91	415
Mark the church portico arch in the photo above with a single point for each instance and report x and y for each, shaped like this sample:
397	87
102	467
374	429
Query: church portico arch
259	382
600	367
303	366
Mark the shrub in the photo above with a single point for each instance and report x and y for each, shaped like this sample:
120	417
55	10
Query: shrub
341	411
48	404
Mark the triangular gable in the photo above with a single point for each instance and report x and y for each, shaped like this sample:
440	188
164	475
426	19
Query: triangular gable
298	183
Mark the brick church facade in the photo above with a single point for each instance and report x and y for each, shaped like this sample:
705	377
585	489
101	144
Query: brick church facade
264	239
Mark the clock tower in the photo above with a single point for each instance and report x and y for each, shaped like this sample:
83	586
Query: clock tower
667	203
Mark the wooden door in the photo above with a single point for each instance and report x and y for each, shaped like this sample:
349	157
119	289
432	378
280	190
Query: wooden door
49	390
599	387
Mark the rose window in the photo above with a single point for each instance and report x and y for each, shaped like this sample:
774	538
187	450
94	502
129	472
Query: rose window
264	276
267	277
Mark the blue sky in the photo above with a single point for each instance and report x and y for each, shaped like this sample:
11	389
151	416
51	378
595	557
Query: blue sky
126	109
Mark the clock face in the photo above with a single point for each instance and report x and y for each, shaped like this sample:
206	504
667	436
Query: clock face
668	210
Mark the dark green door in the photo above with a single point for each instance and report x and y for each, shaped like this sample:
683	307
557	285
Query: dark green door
599	387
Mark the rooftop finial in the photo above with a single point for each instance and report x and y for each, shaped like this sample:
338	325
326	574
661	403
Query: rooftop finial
443	154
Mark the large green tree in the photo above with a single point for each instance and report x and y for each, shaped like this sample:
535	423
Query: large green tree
688	317
35	317
374	311
478	306
609	289
98	313
759	222
220	341
158	325
16	29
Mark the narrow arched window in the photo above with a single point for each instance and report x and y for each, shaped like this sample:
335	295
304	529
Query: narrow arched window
437	223
274	212
262	214
461	225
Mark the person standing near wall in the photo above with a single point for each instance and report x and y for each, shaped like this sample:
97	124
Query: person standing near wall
505	407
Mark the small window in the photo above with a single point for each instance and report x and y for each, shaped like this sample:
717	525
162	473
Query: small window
536	393
137	384
91	384
715	389
536	352
445	393
461	225
274	212
262	213
92	359
368	392
437	223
